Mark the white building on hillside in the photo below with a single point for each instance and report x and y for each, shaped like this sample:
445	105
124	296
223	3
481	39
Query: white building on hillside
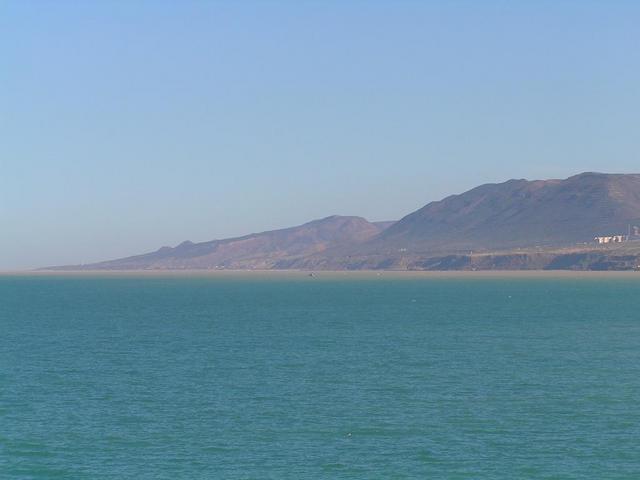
609	239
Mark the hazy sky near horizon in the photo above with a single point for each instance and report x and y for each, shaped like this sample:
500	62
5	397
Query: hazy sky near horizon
128	125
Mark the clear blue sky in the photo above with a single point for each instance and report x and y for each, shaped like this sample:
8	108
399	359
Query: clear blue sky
128	125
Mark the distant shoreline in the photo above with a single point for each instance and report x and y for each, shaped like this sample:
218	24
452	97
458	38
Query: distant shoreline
313	274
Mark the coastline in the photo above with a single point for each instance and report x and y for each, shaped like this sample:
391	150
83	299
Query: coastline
328	274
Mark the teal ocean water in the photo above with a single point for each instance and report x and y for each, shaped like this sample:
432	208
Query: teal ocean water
291	377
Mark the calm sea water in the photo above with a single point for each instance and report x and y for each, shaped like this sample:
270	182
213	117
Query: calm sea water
285	377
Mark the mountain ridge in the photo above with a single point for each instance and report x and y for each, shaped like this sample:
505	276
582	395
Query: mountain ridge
255	250
521	213
515	214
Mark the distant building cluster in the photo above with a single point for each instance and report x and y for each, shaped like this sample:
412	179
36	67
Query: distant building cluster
634	233
610	239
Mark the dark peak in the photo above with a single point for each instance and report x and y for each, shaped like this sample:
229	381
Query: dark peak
337	218
592	174
578	176
516	180
593	178
600	180
164	249
601	176
589	176
186	243
484	189
513	182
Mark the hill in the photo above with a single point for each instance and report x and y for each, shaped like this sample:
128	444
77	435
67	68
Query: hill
258	250
519	213
518	224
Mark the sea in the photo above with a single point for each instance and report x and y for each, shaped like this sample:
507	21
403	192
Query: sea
331	376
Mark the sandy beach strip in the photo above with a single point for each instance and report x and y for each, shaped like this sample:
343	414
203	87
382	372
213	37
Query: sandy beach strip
330	274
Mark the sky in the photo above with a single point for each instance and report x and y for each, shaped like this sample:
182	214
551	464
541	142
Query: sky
129	125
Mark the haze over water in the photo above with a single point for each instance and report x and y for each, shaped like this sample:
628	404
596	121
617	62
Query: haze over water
286	376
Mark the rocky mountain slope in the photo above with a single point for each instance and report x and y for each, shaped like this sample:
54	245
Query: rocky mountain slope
519	213
258	250
517	224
